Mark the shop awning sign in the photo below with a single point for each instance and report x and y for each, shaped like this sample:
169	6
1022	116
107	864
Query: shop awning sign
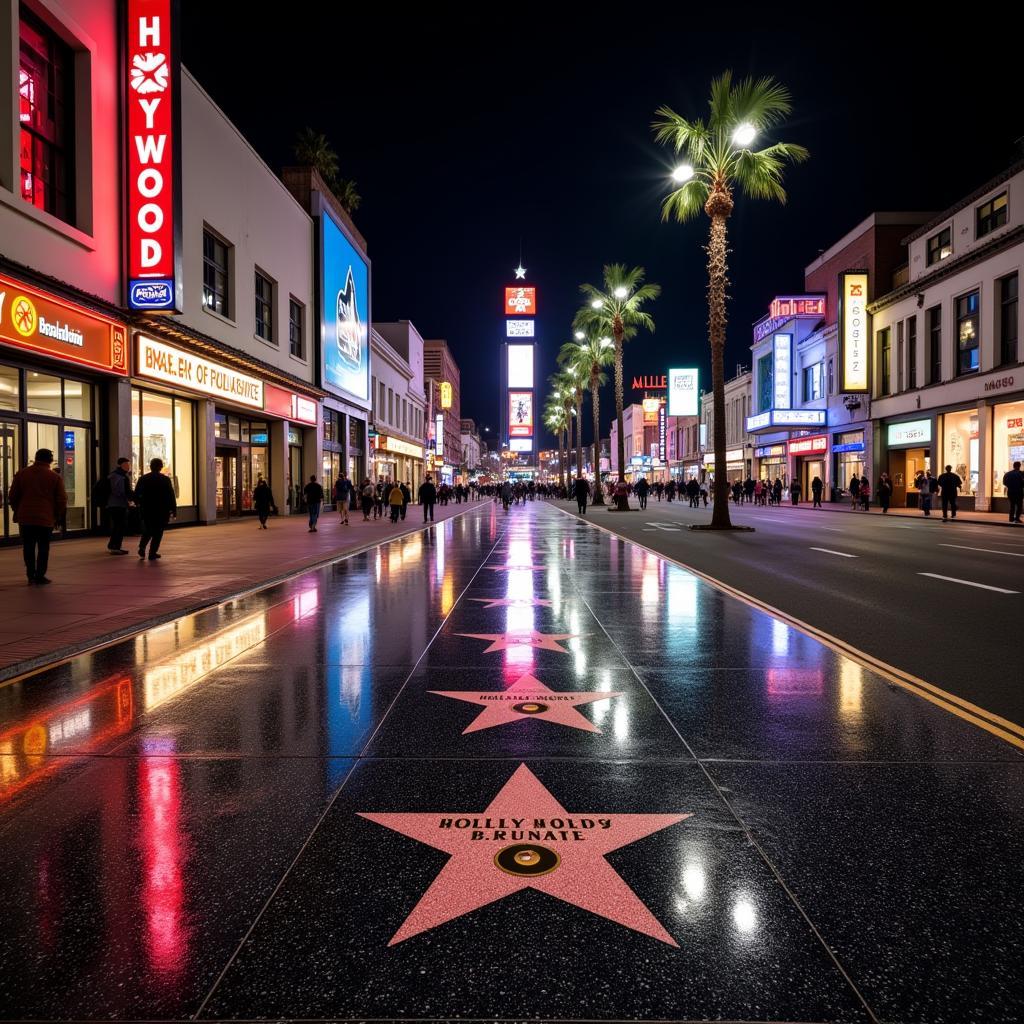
854	333
179	368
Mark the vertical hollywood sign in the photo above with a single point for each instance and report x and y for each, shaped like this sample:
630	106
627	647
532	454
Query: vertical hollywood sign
855	332
152	84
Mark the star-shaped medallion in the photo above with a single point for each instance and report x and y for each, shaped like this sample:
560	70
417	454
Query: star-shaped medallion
520	273
525	839
512	602
512	641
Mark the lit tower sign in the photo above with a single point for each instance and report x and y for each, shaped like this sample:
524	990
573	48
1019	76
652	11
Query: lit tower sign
517	371
152	95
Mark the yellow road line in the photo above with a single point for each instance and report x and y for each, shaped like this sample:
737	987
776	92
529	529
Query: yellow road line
995	724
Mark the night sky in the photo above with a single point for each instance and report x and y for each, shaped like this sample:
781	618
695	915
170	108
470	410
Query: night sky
539	131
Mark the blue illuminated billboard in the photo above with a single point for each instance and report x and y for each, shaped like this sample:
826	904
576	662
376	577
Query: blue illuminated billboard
345	311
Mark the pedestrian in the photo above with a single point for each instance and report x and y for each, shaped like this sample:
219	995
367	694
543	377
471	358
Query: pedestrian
864	492
342	497
794	492
428	497
777	491
1013	481
119	499
263	500
748	490
378	500
368	494
154	494
854	491
949	484
582	491
395	499
704	493
314	495
817	486
641	490
406	498
884	491
925	486
39	502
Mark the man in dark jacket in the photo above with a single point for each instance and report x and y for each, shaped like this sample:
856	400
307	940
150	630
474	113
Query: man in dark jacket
817	486
582	491
949	483
641	489
314	495
118	501
154	494
428	496
1014	484
40	503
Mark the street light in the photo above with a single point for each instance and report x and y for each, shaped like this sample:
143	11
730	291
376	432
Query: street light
744	134
684	172
606	343
580	335
596	304
621	292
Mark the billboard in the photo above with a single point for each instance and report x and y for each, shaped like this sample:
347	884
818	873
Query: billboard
854	332
345	310
520	414
521	444
782	354
683	392
651	407
520	366
152	90
446	395
520	302
518	328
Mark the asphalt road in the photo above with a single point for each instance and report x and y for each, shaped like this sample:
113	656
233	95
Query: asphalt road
860	578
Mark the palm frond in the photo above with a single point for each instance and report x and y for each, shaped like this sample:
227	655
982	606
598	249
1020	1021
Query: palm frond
721	102
686	202
762	102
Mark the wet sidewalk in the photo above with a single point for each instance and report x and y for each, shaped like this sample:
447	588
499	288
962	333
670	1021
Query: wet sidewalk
508	768
985	518
96	596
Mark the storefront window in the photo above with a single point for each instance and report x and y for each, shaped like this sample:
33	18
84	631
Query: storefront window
77	400
10	388
183	449
960	447
162	429
42	394
1007	442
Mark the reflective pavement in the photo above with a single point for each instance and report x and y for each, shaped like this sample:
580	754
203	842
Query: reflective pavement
505	768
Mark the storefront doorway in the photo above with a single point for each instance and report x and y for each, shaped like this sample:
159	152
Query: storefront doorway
295	481
811	468
229	496
9	448
903	469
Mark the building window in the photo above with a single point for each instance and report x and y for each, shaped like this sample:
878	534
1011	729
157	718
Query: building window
264	307
967	333
765	383
295	343
215	275
940	246
935	345
991	215
1006	296
885	359
812	382
391	407
912	351
46	117
831	376
899	357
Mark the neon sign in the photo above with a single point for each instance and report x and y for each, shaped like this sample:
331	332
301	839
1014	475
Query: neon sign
520	302
152	90
854	332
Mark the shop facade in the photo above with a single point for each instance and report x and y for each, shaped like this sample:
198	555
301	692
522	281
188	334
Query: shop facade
59	363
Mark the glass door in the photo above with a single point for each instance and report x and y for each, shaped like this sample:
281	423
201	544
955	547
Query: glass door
226	470
9	454
74	468
295	481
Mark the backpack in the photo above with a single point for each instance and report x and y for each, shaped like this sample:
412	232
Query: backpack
101	491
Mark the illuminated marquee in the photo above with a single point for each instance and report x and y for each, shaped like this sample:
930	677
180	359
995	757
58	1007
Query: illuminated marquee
520	414
170	365
782	349
519	328
446	395
152	90
520	302
651	407
683	392
789	307
808	445
650	382
854	333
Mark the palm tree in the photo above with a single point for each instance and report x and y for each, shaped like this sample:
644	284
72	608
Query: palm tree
718	158
617	310
591	355
554	419
314	149
575	376
565	386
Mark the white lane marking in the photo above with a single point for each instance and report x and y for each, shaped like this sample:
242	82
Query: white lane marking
665	526
833	529
968	583
829	551
991	551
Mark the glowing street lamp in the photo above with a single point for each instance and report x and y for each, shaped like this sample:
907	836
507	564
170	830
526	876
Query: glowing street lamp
621	292
596	304
580	335
684	172
744	134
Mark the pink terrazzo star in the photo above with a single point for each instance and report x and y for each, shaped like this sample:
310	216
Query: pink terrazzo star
512	602
525	839
511	641
527	698
515	568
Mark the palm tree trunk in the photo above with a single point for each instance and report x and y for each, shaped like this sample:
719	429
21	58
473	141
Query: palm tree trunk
618	408
717	284
579	431
561	461
598	498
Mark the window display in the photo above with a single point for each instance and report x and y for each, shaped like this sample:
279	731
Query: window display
162	429
960	447
1007	442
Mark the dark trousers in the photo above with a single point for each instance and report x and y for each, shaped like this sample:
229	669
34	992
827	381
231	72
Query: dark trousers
263	512
396	511
948	505
117	518
643	500
314	513
817	498
1016	501
428	511
405	505
152	534
581	504
35	544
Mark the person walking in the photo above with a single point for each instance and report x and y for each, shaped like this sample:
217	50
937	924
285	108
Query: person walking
925	486
428	498
641	490
314	495
949	484
395	500
794	492
506	495
154	494
378	499
884	491
864	491
854	491
368	494
119	499
406	498
582	492
342	498
1013	481
817	486
263	500
39	502
748	490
